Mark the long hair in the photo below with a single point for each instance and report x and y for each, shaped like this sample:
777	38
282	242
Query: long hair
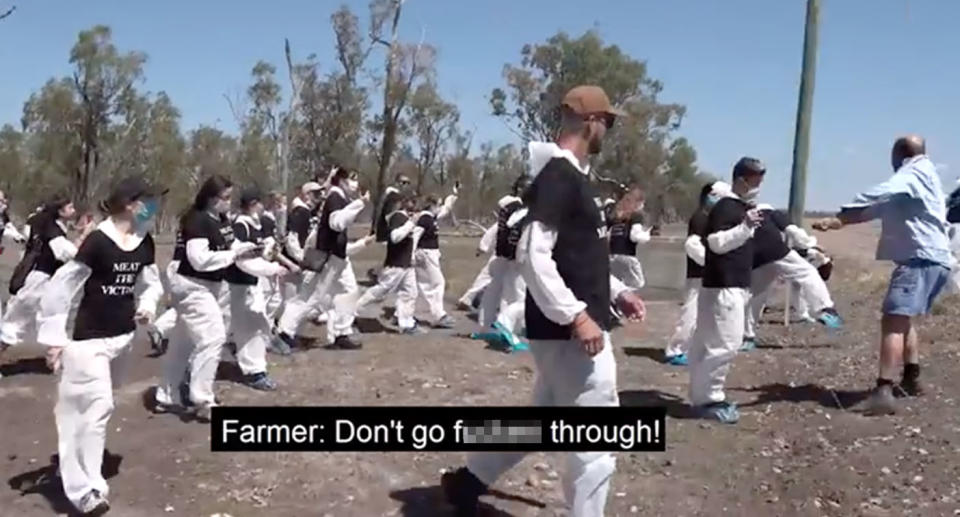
629	204
704	192
211	188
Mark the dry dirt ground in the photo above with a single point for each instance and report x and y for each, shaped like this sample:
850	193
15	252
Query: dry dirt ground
800	449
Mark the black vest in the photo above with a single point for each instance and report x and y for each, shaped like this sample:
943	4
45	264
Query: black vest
246	233
697	226
561	198
298	222
769	244
389	206
45	231
333	242
731	269
108	306
620	243
268	225
219	233
399	254
179	247
429	240
507	238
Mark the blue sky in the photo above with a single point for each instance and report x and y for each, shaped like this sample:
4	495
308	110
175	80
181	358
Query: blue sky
885	67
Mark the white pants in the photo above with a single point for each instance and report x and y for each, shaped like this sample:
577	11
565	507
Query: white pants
92	369
335	285
197	341
479	283
716	340
165	323
273	294
20	320
791	268
506	288
680	340
400	280
250	327
430	282
628	270
567	376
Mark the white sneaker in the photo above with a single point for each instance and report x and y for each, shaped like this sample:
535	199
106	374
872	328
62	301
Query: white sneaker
93	504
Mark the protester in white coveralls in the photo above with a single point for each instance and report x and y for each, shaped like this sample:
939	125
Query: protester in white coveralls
116	276
297	234
249	326
48	249
913	235
430	281
471	298
676	351
8	231
334	282
626	232
159	332
564	257
724	293
200	333
773	260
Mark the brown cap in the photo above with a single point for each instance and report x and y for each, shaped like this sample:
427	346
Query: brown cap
588	100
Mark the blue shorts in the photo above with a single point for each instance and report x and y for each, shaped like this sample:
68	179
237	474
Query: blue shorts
914	286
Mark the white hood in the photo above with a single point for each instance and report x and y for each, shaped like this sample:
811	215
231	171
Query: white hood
543	152
722	189
506	200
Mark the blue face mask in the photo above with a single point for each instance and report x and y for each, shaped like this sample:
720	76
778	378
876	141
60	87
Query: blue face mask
148	209
712	199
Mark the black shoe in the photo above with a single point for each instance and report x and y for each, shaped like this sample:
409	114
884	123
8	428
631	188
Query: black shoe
345	343
911	387
463	490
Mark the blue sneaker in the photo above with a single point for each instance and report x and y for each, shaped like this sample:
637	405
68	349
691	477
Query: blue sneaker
749	344
260	381
520	346
413	331
829	318
677	360
725	412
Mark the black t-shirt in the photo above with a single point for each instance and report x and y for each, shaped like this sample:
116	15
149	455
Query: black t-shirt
218	232
620	243
45	230
246	233
561	197
108	306
298	222
696	226
399	254
430	239
507	237
390	201
768	242
732	269
333	242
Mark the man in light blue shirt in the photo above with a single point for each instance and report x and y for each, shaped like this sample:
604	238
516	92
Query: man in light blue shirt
911	208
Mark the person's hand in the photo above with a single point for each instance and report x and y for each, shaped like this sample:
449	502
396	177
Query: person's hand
365	196
456	187
631	306
53	358
588	333
291	269
245	249
369	239
827	224
143	318
753	218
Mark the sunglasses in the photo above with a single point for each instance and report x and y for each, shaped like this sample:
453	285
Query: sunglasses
607	119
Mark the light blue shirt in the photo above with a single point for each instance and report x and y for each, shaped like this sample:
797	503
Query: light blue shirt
913	213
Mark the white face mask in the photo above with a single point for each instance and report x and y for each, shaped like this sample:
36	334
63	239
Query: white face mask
353	186
751	194
222	206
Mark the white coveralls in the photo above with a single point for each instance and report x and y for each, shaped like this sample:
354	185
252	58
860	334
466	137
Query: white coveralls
20	318
11	232
505	298
200	333
426	262
627	268
249	325
90	370
483	277
334	285
566	375
720	325
680	340
808	285
399	280
168	319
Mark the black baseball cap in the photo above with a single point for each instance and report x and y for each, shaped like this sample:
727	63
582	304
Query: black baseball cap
133	188
748	166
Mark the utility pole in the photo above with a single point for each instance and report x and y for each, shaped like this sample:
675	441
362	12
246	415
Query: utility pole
801	142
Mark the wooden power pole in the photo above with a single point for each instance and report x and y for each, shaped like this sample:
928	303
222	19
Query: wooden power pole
801	142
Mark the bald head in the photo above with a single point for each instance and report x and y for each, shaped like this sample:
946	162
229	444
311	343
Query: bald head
907	147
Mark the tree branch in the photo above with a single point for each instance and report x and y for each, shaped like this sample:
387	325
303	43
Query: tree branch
8	12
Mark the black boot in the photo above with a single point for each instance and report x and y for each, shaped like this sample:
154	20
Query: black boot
463	490
345	343
910	382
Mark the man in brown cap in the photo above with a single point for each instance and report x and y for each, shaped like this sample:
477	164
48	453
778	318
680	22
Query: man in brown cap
565	262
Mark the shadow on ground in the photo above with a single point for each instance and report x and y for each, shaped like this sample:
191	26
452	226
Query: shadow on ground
430	502
779	392
26	366
46	482
676	406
